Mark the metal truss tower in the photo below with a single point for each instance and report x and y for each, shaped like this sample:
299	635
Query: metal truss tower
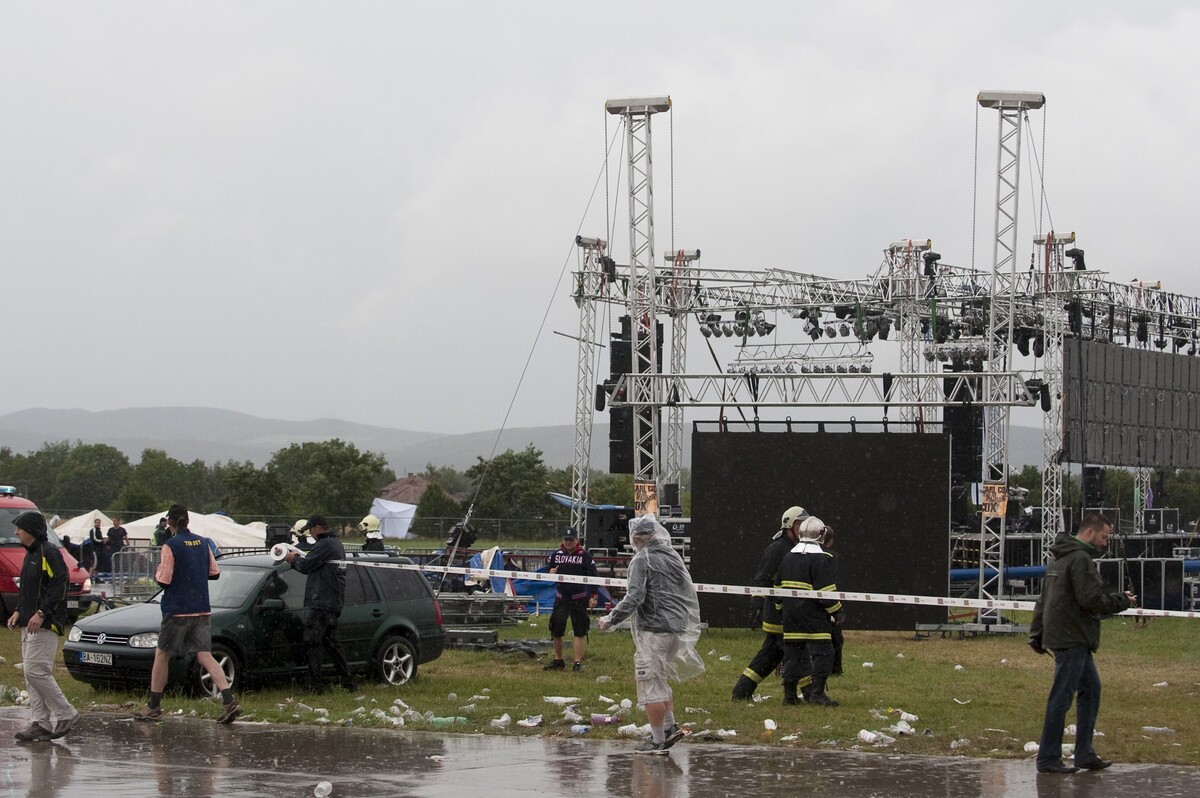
590	281
1012	108
676	295
643	294
910	287
1056	285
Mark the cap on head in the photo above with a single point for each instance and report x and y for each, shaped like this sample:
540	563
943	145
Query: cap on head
570	533
791	515
315	521
32	522
812	528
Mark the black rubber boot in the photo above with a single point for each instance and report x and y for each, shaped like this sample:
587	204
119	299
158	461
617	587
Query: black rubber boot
790	698
817	695
743	689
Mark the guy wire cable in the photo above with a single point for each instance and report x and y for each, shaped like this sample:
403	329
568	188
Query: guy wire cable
524	370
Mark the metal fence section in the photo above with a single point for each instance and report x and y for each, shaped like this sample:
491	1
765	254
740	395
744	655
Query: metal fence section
133	570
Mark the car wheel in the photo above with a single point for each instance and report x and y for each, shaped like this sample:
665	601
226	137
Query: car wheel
202	684
396	661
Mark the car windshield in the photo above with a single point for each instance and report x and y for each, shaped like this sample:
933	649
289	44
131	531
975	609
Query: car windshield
233	588
8	532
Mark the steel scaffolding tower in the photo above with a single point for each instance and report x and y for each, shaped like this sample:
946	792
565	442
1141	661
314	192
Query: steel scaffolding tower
1012	108
643	294
675	293
1055	287
589	284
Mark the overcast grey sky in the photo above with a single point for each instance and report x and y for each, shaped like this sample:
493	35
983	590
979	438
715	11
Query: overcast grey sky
361	210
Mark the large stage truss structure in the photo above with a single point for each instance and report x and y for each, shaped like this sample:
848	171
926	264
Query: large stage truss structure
804	340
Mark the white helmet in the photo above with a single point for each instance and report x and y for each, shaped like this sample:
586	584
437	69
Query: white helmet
812	528
369	524
299	525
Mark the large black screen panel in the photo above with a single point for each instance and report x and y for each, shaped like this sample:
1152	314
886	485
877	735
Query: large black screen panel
886	495
1140	406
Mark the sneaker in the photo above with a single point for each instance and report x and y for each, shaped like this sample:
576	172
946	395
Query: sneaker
554	665
674	735
652	748
148	713
230	712
577	667
63	726
36	733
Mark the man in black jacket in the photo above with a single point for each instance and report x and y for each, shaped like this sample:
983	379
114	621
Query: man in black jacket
769	608
1066	622
324	593
41	615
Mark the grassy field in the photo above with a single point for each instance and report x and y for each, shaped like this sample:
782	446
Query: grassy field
990	707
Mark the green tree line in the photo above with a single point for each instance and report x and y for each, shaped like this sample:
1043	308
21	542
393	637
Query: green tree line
332	477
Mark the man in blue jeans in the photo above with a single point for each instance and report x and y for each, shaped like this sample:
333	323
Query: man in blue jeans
1066	622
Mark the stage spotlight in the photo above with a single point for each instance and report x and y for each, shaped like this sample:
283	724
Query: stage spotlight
885	328
1039	344
830	332
739	329
844	331
814	333
763	327
1076	256
842	311
1021	339
1143	330
706	331
864	369
931	259
1160	343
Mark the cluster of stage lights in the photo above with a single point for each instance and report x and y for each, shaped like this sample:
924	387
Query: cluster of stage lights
802	368
972	356
745	323
863	328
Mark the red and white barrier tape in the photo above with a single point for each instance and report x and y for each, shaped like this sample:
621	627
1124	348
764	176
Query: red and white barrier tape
746	590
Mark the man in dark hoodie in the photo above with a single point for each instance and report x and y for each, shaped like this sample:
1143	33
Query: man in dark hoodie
1066	622
324	594
41	615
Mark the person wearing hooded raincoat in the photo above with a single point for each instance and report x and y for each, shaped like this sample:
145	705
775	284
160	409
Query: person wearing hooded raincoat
660	604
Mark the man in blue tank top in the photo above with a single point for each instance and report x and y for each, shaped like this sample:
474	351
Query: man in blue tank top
186	567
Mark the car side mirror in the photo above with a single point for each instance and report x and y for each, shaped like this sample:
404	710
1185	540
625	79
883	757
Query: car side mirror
271	605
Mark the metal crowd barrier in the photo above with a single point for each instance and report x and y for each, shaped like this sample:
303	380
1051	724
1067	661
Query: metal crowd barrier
132	577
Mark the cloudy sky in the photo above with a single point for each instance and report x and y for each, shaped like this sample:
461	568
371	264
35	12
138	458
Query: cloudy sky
364	210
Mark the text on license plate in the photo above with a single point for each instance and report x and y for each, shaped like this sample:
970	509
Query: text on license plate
72	604
95	658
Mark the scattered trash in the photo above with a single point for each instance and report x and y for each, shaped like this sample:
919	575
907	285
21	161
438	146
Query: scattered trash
580	728
464	708
400	703
712	653
960	701
867	736
321	712
358	711
1031	747
758	698
304	707
1157	730
600	719
603	679
962	743
603	699
1070	730
927	733
571	716
875	713
902	727
1004	661
439	757
696	710
531	722
959	668
725	658
446	722
480	697
452	696
378	713
868	664
501	721
626	703
1161	684
724	733
770	725
613	709
900	655
561	701
323	789
1068	751
486	690
631	730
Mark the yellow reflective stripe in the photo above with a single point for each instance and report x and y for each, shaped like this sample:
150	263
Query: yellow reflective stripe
752	676
46	568
835	607
796	585
773	628
807	636
828	589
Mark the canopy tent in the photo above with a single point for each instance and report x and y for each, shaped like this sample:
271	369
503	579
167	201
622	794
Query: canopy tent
394	517
223	530
77	528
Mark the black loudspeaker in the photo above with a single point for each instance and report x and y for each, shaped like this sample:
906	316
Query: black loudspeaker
278	533
1152	521
1093	486
965	424
608	528
620	440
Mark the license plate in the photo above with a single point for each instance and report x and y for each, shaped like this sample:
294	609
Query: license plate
72	604
92	658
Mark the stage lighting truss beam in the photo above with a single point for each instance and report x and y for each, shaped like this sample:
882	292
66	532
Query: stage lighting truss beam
929	389
591	283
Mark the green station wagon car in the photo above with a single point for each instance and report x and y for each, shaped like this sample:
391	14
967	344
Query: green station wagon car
391	622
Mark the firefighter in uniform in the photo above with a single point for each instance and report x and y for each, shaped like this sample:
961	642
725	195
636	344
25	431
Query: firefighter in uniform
770	654
807	641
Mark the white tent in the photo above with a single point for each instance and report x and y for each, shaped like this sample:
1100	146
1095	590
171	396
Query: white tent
394	517
77	528
223	530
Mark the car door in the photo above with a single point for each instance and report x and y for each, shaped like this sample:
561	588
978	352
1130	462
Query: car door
362	613
278	632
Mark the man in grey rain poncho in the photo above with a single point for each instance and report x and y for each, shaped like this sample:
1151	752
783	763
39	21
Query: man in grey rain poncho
661	605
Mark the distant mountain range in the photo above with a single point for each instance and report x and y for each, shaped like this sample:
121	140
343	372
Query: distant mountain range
190	433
